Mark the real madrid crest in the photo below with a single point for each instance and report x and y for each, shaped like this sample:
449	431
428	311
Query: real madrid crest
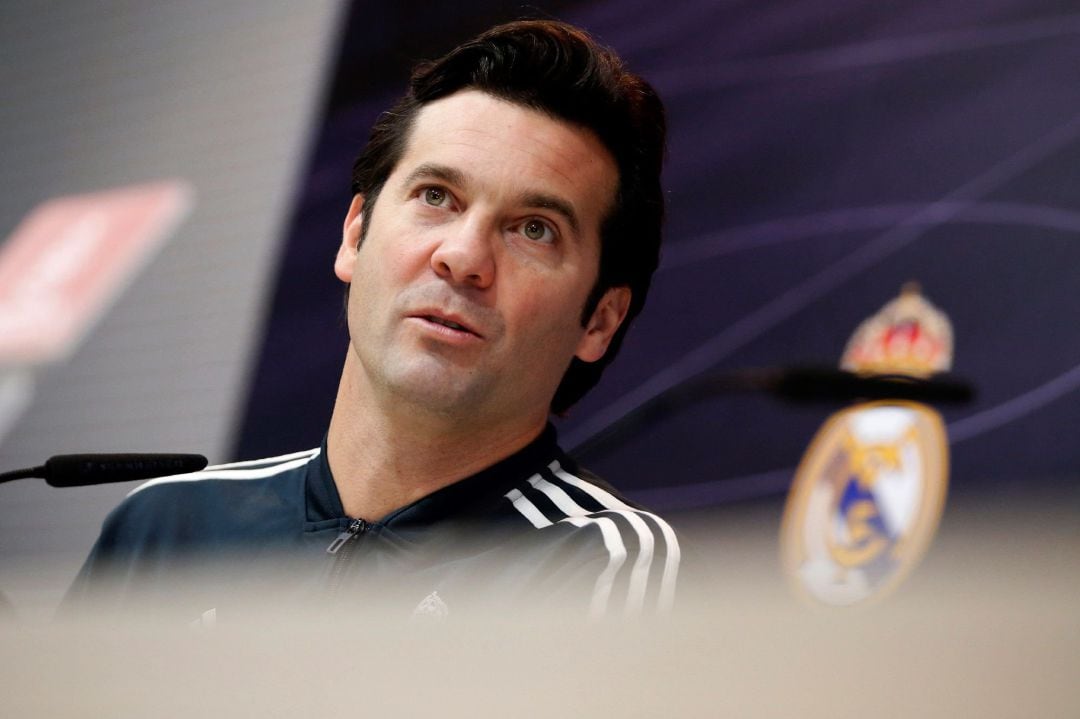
868	494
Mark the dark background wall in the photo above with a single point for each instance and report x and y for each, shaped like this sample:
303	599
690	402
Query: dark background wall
821	155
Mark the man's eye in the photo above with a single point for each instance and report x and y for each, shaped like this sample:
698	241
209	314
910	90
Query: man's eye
435	196
537	231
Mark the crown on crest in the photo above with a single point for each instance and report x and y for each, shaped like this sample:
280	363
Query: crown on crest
907	336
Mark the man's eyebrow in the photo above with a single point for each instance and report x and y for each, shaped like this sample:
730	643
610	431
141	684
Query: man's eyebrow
435	171
556	204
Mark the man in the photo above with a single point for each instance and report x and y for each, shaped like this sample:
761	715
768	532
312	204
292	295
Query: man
504	228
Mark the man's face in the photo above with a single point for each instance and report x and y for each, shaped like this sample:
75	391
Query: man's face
466	295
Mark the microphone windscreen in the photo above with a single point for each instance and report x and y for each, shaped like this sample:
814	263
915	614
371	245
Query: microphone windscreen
809	384
78	470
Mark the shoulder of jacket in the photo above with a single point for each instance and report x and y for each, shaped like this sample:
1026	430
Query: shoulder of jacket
635	542
560	493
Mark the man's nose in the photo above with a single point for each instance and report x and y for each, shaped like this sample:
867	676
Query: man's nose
465	255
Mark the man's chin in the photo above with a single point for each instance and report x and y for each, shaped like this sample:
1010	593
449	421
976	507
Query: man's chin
450	391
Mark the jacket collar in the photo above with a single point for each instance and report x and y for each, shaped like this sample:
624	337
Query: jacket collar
471	497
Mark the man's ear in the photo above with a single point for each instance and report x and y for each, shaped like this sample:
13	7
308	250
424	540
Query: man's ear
605	321
350	240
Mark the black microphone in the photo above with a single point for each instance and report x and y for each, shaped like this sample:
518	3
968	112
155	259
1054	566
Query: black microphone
796	385
80	470
825	384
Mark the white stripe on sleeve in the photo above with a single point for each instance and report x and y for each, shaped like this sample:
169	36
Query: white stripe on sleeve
528	509
616	557
610	501
610	533
639	578
266	460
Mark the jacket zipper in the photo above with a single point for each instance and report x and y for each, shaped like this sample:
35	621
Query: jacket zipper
355	529
342	547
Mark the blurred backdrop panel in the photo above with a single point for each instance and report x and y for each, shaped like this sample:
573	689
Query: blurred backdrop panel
822	154
100	94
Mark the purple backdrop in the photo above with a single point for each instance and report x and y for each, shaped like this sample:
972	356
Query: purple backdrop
821	154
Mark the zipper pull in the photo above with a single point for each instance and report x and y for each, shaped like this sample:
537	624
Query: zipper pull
356	527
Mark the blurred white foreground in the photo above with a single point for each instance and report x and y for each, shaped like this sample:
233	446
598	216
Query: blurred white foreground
987	627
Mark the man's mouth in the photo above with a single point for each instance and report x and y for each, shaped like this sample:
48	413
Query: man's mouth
448	323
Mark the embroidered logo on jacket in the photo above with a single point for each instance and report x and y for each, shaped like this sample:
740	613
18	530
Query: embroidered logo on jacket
431	607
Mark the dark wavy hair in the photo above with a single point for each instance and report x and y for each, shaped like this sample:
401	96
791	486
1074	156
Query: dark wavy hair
561	71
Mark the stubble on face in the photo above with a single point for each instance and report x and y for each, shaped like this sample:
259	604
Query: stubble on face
433	377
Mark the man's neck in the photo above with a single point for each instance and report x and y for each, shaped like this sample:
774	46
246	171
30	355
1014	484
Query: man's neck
384	456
